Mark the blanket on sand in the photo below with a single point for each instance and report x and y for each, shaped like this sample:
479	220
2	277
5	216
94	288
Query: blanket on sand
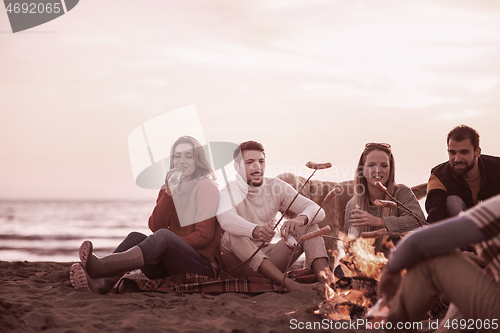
194	283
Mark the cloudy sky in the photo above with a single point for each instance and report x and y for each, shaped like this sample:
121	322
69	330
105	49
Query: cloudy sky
311	80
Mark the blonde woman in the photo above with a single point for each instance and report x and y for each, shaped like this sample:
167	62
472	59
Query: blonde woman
376	164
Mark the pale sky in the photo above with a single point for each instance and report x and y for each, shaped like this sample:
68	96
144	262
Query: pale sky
311	80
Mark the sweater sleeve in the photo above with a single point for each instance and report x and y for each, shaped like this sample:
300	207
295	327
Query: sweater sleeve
207	199
229	219
433	240
405	222
162	213
301	205
435	203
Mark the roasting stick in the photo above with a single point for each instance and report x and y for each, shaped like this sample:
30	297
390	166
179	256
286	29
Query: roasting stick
381	187
393	205
381	232
310	165
314	234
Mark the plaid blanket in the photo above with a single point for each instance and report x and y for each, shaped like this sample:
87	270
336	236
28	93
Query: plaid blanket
193	283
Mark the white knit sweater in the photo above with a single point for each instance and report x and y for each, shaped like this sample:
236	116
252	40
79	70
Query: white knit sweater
243	207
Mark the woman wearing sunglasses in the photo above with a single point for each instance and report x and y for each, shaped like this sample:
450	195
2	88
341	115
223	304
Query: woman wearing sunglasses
376	164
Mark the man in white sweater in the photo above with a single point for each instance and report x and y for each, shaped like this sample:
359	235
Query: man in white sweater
247	211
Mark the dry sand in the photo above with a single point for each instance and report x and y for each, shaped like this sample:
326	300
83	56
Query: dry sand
38	296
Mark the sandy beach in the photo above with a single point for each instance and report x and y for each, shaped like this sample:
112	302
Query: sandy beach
38	296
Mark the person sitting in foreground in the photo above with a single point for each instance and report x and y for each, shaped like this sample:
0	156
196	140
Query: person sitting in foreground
436	267
246	213
376	164
186	235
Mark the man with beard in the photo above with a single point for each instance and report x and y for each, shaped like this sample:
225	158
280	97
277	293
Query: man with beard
247	211
465	180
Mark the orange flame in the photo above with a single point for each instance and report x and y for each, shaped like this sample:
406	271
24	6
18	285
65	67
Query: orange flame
366	261
360	260
330	280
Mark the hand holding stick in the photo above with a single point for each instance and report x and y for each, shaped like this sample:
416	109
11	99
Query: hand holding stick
311	235
381	187
310	165
386	203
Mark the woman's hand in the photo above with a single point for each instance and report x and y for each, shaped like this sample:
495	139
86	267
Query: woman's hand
169	190
361	218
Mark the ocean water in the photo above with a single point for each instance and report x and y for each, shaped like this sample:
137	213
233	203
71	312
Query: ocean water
52	230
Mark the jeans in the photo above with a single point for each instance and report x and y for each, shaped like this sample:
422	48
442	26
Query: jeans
175	255
455	205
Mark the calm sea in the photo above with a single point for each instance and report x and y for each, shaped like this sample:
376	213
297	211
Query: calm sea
47	230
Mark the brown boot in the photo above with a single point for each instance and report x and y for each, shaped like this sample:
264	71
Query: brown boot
81	281
112	264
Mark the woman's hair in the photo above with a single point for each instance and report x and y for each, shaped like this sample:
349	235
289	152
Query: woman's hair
361	195
203	168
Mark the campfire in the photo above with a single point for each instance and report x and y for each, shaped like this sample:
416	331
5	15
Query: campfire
357	275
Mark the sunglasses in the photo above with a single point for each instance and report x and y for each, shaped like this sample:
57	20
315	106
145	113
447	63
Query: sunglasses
378	145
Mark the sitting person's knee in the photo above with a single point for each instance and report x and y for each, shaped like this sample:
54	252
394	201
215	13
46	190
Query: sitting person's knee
455	205
136	236
163	232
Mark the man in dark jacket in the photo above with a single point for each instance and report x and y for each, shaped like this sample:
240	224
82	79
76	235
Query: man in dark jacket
465	180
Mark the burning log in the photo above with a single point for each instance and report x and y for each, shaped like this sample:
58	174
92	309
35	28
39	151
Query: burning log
357	275
361	259
341	311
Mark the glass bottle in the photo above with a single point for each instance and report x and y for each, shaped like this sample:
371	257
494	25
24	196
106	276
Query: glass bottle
174	180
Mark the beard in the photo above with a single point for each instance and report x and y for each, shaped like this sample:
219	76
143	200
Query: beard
463	171
255	183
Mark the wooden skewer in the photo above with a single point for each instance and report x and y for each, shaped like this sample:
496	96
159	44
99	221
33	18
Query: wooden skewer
311	165
381	187
327	200
380	232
